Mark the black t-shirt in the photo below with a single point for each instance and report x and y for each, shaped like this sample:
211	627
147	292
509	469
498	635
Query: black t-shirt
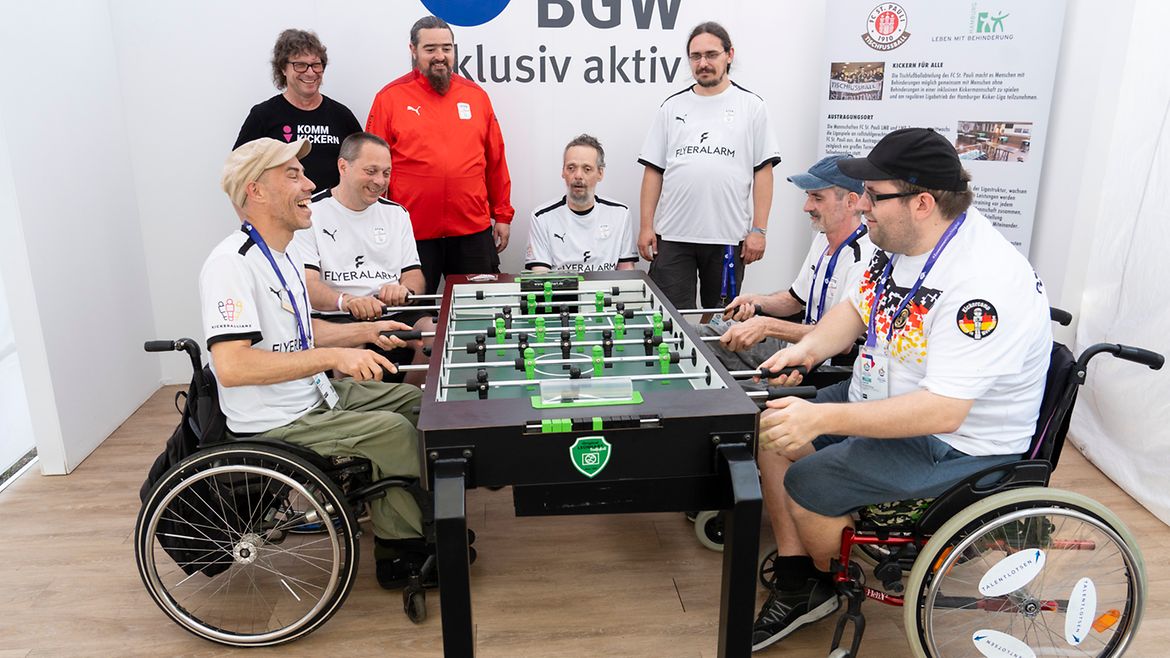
325	127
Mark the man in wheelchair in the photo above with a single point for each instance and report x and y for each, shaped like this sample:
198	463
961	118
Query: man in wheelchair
948	382
270	358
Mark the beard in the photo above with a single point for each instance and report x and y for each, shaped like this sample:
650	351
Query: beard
580	196
440	80
712	82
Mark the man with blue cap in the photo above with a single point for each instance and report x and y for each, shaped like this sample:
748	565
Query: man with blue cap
751	329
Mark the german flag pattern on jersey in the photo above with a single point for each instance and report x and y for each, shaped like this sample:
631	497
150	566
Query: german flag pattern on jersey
908	342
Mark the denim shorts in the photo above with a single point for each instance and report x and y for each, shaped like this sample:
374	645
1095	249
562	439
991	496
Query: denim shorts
849	472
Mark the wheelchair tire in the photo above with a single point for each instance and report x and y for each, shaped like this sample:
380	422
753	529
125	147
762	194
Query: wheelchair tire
709	529
243	577
1080	593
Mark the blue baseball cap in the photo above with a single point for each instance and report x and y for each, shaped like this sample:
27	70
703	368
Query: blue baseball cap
825	174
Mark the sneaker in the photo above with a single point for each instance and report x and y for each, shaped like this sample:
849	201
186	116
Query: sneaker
785	612
396	560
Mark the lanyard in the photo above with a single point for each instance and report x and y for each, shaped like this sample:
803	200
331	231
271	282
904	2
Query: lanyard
870	332
728	274
829	269
255	235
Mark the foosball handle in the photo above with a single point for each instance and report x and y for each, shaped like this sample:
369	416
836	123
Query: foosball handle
806	392
404	334
772	374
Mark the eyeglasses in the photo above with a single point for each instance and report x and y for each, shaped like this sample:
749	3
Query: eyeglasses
874	198
301	67
710	55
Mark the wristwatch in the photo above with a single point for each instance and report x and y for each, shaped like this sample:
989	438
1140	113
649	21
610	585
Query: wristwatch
757	229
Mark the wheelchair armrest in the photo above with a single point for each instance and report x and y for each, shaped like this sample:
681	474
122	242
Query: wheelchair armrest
989	481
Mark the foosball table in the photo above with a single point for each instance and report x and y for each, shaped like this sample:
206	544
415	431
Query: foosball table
588	395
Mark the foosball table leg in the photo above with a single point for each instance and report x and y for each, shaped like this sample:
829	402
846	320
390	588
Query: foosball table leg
741	544
451	538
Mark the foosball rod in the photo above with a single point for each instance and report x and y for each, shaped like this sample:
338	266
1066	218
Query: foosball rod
774	392
548	330
552	304
580	358
537	382
386	311
615	291
413	367
579	343
764	373
456	312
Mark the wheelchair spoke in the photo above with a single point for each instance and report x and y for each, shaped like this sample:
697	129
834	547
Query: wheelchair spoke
227	519
1078	551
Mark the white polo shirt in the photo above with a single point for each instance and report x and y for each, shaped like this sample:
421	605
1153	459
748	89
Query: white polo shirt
242	299
596	240
977	329
357	252
708	149
846	275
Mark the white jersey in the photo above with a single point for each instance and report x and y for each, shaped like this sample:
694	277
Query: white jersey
561	238
357	252
708	149
977	329
242	299
851	262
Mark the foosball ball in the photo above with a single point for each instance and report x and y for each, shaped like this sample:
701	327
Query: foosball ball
588	395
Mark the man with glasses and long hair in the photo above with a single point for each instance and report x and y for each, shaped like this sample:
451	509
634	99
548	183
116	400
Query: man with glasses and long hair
301	111
707	184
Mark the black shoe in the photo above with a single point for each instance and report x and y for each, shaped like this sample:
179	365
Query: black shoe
395	573
397	560
785	612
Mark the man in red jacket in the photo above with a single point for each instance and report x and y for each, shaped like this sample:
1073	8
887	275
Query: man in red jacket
449	167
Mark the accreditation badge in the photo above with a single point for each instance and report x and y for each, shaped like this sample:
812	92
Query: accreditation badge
325	388
873	373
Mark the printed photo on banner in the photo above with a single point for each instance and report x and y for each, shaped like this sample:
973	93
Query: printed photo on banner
856	81
994	141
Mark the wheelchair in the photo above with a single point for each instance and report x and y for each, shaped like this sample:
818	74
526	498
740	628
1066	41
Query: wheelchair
251	542
1000	564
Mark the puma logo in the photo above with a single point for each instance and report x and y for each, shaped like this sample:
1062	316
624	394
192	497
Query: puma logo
277	293
682	118
332	235
559	237
411	108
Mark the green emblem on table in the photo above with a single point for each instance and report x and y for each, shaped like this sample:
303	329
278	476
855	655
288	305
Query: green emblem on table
590	454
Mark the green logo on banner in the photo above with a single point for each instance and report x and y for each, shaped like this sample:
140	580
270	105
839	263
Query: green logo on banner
590	454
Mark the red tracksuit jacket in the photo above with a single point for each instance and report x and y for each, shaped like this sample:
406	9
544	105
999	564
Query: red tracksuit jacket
448	155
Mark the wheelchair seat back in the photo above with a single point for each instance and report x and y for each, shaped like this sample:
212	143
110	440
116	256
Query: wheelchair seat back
1034	469
1060	394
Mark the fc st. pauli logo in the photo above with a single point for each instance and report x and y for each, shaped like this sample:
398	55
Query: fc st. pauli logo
885	27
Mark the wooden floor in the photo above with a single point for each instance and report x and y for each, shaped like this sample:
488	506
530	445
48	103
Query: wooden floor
636	585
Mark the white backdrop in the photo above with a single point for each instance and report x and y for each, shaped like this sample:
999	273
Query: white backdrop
190	73
1122	417
115	124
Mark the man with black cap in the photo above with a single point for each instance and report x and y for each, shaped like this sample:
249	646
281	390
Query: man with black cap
838	255
945	284
270	358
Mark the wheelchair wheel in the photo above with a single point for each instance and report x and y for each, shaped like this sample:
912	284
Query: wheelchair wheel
1028	572
709	529
246	545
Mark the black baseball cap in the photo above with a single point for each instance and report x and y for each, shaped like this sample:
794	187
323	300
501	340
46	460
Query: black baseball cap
919	156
